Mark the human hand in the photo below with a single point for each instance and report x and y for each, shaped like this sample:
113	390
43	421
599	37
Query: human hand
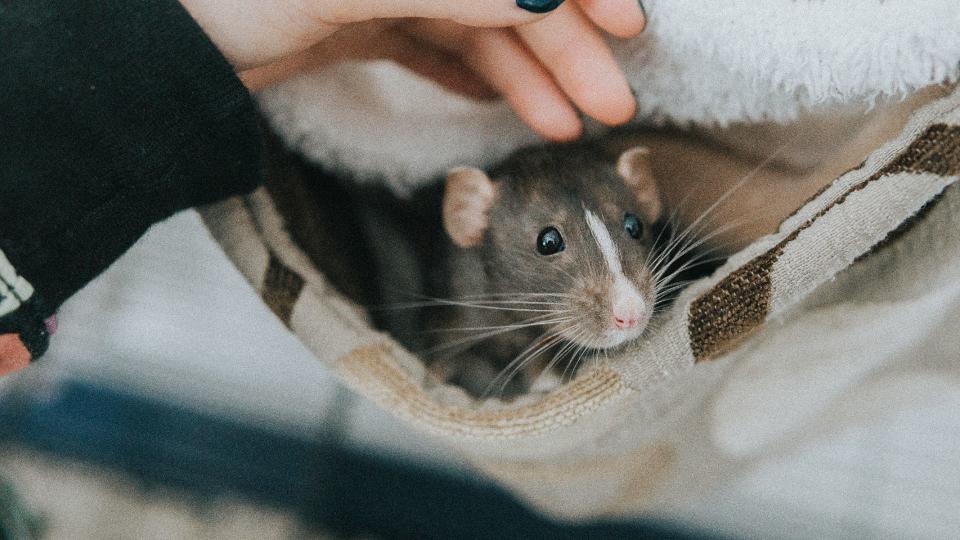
544	66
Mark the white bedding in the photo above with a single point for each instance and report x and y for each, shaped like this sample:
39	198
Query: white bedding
698	61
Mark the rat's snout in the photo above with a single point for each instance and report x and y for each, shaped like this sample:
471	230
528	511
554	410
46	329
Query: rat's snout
625	318
627	306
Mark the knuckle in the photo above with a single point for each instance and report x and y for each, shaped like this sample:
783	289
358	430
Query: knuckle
473	43
332	12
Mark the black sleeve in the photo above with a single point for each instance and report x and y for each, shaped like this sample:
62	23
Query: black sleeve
114	114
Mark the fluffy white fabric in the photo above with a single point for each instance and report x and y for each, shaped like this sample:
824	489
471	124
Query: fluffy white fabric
698	61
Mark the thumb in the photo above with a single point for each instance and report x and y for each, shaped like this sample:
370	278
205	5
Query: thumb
252	33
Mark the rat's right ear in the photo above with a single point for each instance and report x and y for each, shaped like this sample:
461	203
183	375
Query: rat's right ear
468	196
635	169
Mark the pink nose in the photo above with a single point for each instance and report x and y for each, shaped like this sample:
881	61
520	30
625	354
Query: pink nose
625	321
627	312
626	318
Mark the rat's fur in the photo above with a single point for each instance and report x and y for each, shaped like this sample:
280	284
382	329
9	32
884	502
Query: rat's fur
561	302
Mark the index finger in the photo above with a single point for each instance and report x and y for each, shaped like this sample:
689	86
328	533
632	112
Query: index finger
582	64
486	13
621	18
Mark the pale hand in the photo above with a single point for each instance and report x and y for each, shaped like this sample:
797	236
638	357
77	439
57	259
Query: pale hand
544	65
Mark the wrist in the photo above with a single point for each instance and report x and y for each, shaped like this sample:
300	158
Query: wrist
250	33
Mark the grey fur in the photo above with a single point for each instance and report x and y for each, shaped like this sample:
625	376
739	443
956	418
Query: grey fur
540	187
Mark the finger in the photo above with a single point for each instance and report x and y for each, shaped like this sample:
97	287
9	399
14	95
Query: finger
431	62
489	13
422	58
501	60
622	18
347	42
568	45
258	78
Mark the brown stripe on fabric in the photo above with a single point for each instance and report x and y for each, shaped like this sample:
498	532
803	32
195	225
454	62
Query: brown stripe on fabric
732	308
740	302
937	151
281	289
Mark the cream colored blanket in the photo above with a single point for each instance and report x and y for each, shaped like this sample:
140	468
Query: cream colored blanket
808	388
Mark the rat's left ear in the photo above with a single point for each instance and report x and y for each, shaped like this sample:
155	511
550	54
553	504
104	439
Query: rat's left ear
468	196
633	165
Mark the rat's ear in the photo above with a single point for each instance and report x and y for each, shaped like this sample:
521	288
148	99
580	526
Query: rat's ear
633	165
468	196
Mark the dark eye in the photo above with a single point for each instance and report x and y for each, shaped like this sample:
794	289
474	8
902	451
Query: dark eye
632	225
549	241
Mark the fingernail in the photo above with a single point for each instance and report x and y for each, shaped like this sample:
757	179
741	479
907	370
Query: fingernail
539	6
643	10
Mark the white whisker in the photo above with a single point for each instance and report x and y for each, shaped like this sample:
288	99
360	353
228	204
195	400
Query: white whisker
505	326
538	346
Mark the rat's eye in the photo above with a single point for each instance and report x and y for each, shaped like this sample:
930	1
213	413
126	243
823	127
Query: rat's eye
550	241
632	225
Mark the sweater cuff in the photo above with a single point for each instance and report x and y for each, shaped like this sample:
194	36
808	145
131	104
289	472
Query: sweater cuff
116	114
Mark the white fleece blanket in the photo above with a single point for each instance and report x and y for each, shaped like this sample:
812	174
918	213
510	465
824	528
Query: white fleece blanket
698	62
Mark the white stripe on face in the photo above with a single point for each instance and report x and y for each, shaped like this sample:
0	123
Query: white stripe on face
607	248
624	297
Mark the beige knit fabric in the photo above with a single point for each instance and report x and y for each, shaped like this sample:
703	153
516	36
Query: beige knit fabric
650	428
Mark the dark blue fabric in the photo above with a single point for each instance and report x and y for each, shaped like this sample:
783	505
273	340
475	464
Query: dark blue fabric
333	486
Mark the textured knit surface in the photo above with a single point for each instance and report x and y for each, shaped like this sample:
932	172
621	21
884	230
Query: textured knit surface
806	356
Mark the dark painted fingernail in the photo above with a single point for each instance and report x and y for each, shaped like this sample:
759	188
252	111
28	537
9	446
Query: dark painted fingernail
539	6
642	9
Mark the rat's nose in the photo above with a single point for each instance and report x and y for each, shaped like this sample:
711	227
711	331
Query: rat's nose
626	316
627	306
624	323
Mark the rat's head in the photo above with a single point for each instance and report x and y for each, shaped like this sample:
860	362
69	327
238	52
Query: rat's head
562	228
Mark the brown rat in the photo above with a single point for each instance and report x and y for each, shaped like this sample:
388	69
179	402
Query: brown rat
553	251
469	252
492	281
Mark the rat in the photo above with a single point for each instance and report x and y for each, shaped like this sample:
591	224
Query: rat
476	250
554	249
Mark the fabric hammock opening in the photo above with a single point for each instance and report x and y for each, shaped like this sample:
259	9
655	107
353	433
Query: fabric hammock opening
615	412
